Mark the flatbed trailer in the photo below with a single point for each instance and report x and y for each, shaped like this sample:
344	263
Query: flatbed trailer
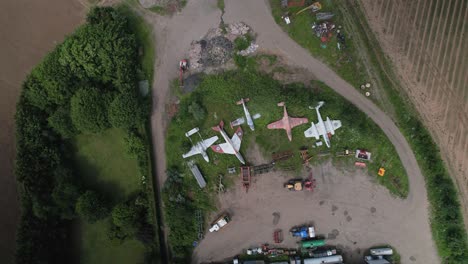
245	177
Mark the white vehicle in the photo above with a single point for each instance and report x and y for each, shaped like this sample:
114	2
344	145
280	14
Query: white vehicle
381	251
201	146
232	145
325	129
241	120
220	223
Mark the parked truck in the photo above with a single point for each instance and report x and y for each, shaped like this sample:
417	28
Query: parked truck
303	232
221	222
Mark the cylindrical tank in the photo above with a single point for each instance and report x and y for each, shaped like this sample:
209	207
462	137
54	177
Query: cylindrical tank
325	260
312	243
381	251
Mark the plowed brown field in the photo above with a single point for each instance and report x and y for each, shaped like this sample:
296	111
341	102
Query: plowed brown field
426	40
28	30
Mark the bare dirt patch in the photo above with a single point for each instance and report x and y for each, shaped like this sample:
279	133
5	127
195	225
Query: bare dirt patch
347	207
29	29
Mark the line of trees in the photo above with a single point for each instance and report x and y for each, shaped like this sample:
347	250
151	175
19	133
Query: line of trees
85	85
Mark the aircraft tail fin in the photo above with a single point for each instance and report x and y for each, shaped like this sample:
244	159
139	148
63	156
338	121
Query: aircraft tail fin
218	127
242	100
320	104
192	131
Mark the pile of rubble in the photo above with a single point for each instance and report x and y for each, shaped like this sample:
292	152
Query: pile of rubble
249	50
237	29
216	51
217	48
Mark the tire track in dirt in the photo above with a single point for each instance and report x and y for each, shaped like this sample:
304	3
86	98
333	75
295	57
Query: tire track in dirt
422	55
425	70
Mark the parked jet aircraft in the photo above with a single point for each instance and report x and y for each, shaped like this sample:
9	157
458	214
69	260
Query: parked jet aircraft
287	122
232	145
241	120
325	129
201	146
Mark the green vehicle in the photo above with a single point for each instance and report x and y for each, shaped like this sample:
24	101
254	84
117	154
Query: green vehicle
312	243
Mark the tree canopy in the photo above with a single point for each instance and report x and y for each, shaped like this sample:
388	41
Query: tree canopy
88	110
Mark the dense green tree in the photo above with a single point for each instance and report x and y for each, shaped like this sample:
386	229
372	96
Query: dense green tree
56	79
135	145
88	110
65	193
61	122
124	111
91	207
125	216
103	50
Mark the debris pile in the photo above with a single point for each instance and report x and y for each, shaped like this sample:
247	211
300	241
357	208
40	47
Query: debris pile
249	50
323	29
238	29
217	48
216	51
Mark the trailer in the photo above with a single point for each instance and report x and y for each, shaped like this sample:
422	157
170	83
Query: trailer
245	177
312	243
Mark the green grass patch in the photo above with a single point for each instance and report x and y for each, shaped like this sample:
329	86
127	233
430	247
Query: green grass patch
98	249
217	94
220	4
102	163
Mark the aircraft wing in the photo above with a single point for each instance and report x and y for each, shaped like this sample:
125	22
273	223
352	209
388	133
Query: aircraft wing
208	142
193	151
297	121
276	125
224	148
336	124
313	131
237	139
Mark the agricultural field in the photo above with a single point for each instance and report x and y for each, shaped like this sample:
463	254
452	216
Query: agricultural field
426	41
214	100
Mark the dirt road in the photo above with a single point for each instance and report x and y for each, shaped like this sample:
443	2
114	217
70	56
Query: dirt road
173	37
28	30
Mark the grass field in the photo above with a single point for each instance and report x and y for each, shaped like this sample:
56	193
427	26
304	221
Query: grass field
102	162
97	249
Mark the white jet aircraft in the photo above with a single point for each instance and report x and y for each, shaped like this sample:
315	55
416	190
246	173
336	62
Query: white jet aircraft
201	146
325	129
241	120
232	145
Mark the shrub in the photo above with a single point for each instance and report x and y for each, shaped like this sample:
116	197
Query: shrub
61	122
124	111
241	43
88	110
197	111
91	207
